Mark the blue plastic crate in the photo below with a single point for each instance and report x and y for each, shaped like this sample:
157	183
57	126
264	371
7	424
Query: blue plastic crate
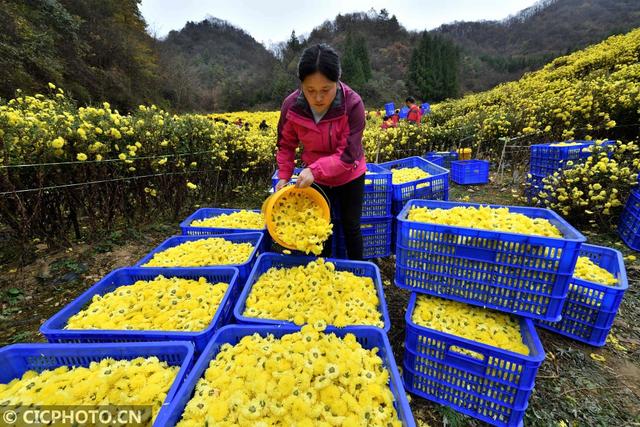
54	328
203	213
466	172
269	260
546	159
376	238
495	387
435	187
591	308
517	273
368	337
389	109
436	159
533	187
243	269
448	157
377	191
629	227
19	358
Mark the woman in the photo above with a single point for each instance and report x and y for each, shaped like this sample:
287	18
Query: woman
328	118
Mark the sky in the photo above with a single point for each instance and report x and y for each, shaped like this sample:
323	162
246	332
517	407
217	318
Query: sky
271	21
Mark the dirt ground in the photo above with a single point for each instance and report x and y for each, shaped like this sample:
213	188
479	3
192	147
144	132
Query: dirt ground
572	388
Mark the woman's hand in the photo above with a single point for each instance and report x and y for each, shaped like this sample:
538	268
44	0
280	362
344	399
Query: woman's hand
305	179
281	183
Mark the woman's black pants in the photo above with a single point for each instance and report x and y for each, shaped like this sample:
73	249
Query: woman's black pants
346	205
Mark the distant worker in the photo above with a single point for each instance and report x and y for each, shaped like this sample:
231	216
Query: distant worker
414	115
395	118
263	125
387	122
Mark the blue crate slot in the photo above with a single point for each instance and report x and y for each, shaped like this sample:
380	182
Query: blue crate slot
435	187
368	337
269	260
517	273
629	226
377	192
591	308
494	387
243	269
376	238
465	172
17	359
55	332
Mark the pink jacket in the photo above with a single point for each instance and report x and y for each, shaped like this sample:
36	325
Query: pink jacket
332	149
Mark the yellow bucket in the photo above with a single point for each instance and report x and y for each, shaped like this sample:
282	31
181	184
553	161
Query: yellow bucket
269	203
464	153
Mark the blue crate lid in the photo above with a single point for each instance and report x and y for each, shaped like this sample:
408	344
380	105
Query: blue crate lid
568	231
368	337
16	359
204	213
55	327
268	260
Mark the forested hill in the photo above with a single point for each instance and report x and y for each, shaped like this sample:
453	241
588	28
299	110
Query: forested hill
498	51
99	50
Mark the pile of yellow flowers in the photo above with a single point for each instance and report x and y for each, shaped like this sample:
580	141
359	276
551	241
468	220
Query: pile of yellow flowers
314	293
242	219
141	381
485	218
299	223
473	323
587	270
565	144
202	253
305	379
404	175
166	304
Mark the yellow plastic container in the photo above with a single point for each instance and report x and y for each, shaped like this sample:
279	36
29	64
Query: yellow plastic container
464	153
269	203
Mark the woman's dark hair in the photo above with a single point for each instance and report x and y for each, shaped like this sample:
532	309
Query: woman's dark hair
410	99
320	57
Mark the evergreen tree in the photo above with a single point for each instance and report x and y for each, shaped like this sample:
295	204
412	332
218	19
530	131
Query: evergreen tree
352	70
433	69
361	52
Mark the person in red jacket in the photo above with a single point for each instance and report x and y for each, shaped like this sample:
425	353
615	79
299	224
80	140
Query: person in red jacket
395	118
414	115
328	118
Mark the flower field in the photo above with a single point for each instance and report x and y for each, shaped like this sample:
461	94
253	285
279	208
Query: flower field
65	167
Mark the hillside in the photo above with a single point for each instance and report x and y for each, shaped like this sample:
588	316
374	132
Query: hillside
498	51
215	65
100	50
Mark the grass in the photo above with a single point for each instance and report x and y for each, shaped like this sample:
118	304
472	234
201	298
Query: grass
572	388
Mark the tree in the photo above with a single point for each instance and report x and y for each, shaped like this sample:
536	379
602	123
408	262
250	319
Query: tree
434	68
361	52
356	67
